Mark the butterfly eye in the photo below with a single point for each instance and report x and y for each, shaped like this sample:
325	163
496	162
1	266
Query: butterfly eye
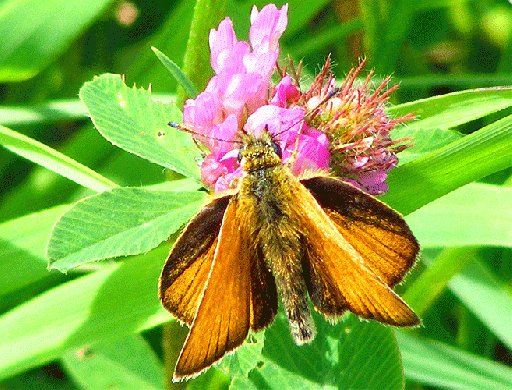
277	150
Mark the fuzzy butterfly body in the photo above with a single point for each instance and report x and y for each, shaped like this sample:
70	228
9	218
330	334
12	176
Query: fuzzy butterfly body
280	238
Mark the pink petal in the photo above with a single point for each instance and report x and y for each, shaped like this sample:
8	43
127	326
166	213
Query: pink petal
312	152
240	90
221	40
373	182
277	119
285	92
211	170
200	114
224	182
232	60
263	63
267	26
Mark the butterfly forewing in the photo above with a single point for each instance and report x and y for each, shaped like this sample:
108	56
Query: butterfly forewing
223	317
339	277
377	232
186	270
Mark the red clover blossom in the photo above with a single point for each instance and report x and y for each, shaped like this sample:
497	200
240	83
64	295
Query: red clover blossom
345	130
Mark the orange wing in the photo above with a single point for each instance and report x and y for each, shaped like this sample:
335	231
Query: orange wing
339	276
376	231
224	315
187	268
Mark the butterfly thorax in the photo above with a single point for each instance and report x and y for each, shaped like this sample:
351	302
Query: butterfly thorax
265	178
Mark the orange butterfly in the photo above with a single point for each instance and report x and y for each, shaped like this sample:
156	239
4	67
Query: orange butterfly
278	236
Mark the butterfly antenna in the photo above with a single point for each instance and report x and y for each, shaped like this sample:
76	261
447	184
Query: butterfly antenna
186	129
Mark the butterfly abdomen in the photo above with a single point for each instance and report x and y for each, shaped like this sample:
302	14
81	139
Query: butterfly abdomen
280	246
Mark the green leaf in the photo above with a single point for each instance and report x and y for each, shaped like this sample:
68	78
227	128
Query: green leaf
52	111
474	156
437	364
184	185
423	142
53	160
454	109
244	360
241	383
33	35
23	249
488	298
55	111
423	292
129	363
298	15
130	119
323	38
103	306
352	354
120	222
386	26
177	73
472	215
170	37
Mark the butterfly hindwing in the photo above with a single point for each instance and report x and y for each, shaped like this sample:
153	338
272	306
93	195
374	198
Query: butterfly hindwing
263	294
339	277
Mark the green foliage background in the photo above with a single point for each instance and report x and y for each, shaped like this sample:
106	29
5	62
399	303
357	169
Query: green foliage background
100	325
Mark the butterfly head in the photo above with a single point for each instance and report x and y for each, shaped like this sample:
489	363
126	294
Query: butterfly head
259	151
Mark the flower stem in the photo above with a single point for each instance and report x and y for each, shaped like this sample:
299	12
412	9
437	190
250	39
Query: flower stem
196	64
